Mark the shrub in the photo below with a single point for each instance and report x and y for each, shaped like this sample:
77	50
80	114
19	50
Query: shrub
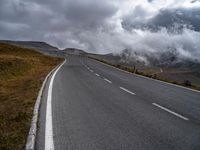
187	83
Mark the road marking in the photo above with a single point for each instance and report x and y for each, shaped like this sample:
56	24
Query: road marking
127	90
97	74
169	111
107	80
49	144
91	70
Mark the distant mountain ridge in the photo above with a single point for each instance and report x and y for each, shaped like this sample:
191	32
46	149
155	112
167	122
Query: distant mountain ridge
36	45
174	20
126	56
165	59
45	48
74	51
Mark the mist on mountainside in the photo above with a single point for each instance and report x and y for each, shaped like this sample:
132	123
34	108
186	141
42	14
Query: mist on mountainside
162	47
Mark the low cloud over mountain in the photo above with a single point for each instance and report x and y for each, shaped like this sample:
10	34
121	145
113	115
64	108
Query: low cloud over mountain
172	19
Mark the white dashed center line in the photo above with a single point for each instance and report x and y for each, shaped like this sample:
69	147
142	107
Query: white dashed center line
171	112
127	90
107	80
97	74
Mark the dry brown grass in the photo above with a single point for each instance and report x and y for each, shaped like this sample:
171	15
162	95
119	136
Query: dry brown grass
21	74
170	76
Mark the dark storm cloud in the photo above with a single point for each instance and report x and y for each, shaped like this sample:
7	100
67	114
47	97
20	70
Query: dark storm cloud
49	19
90	16
23	20
104	26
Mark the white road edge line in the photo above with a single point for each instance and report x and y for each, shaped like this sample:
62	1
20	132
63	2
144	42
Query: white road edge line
97	74
91	70
127	90
169	111
30	142
49	143
107	80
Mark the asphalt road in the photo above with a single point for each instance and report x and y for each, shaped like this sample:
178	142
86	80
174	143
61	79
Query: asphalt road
97	107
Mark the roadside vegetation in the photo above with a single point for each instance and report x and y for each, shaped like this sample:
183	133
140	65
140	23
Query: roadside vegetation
185	83
22	72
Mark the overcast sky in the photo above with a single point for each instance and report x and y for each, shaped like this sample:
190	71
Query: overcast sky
105	26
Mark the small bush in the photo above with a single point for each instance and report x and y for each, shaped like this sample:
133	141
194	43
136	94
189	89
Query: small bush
174	82
118	66
187	83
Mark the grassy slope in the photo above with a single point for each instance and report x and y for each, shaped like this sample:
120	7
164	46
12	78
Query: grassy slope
169	75
21	74
177	75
